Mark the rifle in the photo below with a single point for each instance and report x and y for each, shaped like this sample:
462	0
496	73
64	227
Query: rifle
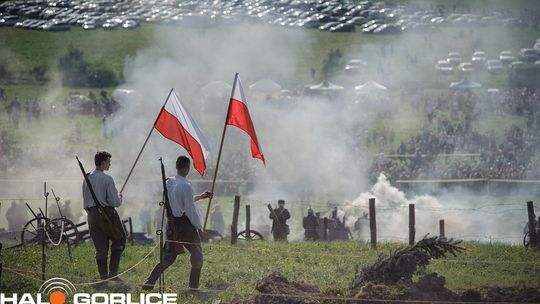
178	248
110	229
57	200
275	218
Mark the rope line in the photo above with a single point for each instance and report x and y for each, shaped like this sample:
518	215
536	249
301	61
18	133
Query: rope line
122	273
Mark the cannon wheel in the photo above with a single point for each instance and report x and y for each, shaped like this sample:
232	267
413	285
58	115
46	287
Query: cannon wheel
212	236
54	228
32	234
253	235
526	240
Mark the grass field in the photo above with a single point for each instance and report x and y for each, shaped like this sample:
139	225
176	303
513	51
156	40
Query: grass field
232	271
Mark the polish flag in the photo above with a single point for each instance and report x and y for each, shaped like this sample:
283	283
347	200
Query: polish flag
238	116
175	123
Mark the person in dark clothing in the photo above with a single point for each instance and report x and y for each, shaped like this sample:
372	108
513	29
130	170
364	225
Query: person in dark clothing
107	195
218	224
279	217
187	225
310	225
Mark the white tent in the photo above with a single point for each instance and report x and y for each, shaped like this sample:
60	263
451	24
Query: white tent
265	86
264	89
218	87
465	84
370	87
325	88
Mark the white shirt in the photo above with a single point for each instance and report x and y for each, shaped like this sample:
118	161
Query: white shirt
104	188
181	199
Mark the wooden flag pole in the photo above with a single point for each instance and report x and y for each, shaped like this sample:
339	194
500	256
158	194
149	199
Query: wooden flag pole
219	154
144	144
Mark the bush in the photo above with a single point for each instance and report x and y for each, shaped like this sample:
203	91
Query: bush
5	73
77	72
39	72
527	76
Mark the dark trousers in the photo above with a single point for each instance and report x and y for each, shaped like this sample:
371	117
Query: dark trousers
99	236
188	234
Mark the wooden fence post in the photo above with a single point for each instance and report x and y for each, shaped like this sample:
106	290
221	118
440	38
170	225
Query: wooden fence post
372	223
0	264
248	221
412	229
325	220
130	231
441	229
234	226
532	227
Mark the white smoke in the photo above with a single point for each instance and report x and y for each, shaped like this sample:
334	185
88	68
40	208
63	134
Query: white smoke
466	216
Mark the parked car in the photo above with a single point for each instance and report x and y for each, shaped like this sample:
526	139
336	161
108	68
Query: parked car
354	66
343	27
506	57
454	58
444	67
466	67
494	66
479	59
388	29
529	55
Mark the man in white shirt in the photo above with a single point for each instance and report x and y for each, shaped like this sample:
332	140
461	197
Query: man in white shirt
187	223
107	195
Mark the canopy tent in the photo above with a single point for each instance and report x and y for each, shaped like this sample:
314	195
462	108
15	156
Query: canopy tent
325	89
370	87
465	84
264	89
265	86
216	88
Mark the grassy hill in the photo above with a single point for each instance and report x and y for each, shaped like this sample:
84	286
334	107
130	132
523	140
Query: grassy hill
232	271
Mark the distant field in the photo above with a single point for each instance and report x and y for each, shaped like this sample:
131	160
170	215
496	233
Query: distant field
235	269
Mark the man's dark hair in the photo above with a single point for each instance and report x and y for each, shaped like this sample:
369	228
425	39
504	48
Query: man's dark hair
182	162
100	157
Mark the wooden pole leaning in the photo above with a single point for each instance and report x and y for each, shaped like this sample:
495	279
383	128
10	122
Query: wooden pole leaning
219	155
144	144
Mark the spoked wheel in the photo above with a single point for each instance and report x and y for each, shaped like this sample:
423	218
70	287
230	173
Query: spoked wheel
213	236
62	230
253	235
526	240
33	233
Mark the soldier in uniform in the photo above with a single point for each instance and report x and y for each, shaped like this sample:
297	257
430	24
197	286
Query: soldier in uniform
107	195
187	225
279	217
218	224
310	225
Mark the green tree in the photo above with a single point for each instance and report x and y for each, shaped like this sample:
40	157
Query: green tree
73	68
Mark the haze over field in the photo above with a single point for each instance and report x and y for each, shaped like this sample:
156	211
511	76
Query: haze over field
315	149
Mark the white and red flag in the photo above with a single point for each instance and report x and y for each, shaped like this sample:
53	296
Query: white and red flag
175	123
238	116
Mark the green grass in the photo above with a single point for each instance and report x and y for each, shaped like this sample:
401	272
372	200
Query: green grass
234	270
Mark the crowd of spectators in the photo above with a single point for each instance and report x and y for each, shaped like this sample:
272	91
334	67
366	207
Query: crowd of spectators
448	147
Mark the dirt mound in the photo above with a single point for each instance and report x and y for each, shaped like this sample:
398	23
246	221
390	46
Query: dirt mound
502	294
276	289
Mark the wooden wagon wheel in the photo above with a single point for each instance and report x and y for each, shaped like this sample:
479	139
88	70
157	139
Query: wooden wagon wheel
253	235
69	229
212	236
32	232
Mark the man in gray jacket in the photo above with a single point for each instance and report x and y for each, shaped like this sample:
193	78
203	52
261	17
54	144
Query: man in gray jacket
107	195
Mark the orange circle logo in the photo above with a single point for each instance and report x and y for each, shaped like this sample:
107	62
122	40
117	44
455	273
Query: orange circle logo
57	297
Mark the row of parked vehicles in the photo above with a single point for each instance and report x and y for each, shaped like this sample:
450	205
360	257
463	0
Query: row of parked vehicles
479	61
